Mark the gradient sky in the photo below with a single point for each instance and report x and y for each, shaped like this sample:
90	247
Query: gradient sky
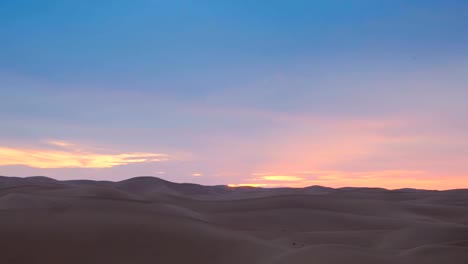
267	93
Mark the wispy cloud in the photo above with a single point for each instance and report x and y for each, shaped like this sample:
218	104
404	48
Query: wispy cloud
73	156
60	143
262	173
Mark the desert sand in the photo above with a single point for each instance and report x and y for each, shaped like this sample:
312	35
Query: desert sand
150	220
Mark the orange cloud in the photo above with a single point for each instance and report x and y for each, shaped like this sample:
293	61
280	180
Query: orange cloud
71	157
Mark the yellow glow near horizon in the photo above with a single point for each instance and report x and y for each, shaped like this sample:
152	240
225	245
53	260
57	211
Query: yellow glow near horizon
282	178
390	179
248	185
43	158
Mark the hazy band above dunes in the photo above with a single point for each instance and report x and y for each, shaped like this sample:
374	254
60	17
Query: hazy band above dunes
150	220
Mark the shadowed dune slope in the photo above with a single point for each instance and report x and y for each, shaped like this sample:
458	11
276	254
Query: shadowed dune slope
150	220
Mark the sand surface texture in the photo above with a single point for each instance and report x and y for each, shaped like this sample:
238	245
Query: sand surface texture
150	220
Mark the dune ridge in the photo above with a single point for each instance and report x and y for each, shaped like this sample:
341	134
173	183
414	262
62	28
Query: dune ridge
151	220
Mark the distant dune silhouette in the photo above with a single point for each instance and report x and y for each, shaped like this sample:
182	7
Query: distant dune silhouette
147	220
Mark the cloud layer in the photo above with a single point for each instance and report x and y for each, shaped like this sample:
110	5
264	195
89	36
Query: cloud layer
72	156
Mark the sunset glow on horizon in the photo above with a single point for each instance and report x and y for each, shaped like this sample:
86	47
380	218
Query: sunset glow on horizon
73	156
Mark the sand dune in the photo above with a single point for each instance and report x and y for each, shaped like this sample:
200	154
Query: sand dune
150	220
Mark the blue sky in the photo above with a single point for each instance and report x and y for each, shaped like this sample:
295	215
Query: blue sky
348	91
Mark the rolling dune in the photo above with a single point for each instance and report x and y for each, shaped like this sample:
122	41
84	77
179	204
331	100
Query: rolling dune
150	220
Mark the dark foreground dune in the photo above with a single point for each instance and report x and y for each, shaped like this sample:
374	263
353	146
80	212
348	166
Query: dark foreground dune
149	220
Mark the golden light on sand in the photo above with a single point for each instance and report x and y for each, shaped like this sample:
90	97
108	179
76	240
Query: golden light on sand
44	158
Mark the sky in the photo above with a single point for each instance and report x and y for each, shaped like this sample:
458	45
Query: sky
261	93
